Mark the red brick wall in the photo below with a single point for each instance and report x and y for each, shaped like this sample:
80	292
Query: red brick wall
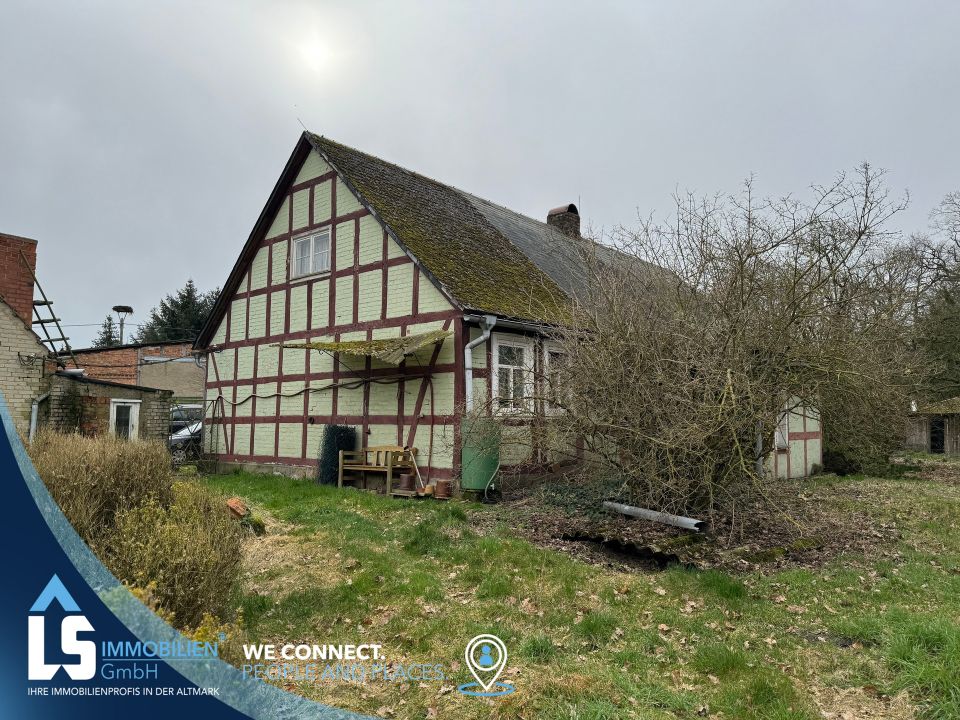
118	365
121	364
16	283
167	351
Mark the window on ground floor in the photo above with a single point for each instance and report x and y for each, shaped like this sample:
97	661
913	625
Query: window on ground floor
124	418
512	373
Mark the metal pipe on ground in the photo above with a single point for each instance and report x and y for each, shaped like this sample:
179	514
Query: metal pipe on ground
655	516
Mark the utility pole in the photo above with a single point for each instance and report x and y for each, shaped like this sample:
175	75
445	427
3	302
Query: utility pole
122	311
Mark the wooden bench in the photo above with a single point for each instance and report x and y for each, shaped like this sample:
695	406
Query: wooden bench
379	459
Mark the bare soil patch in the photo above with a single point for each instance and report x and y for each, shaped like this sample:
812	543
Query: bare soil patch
862	704
939	469
797	524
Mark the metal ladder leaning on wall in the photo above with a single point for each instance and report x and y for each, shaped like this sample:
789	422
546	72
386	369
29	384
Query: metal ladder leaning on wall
50	339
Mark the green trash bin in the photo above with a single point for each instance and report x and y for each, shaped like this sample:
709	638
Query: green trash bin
481	453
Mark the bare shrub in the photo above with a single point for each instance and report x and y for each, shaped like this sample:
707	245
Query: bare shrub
189	553
176	539
692	338
93	478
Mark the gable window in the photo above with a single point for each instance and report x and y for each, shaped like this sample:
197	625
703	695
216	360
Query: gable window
311	254
513	364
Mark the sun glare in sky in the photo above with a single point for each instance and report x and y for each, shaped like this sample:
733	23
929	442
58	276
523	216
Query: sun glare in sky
315	52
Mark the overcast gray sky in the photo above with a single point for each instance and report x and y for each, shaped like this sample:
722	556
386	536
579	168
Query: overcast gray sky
139	141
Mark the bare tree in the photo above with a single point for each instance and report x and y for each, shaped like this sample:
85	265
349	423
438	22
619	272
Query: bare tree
945	245
693	338
938	330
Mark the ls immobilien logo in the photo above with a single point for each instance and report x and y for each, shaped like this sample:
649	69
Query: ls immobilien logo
72	624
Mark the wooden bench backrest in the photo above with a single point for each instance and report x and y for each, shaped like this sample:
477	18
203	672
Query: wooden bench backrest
377	455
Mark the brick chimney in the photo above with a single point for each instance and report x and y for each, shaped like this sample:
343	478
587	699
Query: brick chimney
16	282
566	219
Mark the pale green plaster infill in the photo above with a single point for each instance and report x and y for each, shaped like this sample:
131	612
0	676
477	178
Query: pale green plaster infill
400	290
258	269
279	262
371	240
238	319
281	221
301	209
298	308
313	167
322	202
344	233
346	201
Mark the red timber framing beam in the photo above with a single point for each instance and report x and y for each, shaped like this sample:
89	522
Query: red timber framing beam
227	392
805	436
459	391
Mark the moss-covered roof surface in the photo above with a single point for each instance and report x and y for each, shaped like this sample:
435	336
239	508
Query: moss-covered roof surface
950	406
389	350
451	236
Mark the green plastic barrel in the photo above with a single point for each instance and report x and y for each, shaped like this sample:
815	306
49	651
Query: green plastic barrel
481	452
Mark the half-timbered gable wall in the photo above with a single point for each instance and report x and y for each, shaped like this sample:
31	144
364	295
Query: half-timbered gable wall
268	405
798	446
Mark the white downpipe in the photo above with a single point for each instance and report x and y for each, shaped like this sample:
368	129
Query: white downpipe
34	412
486	324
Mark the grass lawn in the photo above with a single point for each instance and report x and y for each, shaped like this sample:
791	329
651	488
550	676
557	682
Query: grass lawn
852	638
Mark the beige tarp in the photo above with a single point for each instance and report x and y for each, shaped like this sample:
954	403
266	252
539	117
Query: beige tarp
389	350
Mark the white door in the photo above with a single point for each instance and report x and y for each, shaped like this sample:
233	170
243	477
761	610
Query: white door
124	418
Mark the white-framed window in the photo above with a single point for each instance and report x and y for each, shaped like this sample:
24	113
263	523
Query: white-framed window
311	254
124	418
553	359
512	373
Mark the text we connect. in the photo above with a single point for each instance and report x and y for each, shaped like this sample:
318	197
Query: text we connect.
313	652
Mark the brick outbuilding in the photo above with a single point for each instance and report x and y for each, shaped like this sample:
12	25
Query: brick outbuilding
35	384
78	403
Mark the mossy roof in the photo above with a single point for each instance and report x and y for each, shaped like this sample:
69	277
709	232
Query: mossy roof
484	257
476	262
951	406
389	350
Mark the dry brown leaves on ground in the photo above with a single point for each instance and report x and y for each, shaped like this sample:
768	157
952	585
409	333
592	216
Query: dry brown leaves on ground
796	524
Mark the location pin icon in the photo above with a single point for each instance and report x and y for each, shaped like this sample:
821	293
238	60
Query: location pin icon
486	656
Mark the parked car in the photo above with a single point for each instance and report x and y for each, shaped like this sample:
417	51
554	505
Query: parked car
186	443
183	415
